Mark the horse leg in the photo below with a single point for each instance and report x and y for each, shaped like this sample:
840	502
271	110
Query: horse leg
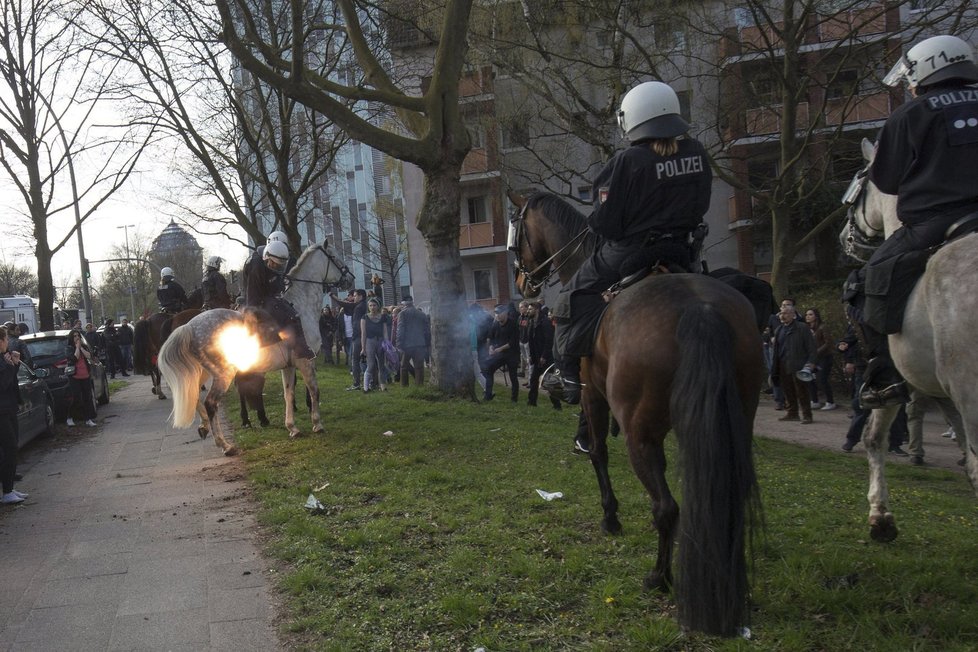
288	387
649	462
213	404
596	413
158	383
882	525
243	407
308	370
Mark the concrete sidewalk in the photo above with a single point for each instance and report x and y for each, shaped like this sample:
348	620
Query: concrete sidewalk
829	432
134	537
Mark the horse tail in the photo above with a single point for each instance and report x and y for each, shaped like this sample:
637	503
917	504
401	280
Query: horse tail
183	373
142	359
720	494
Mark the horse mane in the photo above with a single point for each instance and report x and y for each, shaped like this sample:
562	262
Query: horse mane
305	254
557	210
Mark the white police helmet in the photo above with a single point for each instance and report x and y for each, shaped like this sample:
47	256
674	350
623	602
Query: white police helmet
215	262
651	110
278	236
276	253
166	271
934	60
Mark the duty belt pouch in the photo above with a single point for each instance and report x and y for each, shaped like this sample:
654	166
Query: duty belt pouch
888	286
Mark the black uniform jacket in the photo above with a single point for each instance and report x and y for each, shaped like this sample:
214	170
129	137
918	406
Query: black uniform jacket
928	155
639	191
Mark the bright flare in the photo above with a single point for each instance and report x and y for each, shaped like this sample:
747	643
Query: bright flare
238	346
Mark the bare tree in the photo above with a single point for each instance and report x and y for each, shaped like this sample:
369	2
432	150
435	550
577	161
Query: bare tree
17	280
429	132
246	151
48	128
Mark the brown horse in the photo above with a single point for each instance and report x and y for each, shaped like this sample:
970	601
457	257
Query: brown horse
677	351
150	333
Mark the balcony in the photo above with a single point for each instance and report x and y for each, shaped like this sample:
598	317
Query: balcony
767	119
864	108
473	236
864	22
476	161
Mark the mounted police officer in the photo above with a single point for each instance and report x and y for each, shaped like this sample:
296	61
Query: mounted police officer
213	287
651	195
256	262
264	285
925	155
170	294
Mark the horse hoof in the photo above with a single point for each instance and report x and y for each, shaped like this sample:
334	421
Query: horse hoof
317	429
883	530
655	581
153	390
202	432
611	526
230	451
265	423
161	396
295	435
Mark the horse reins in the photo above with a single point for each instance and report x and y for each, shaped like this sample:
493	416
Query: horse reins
530	275
331	260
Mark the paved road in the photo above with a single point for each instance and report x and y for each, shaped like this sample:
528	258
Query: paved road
829	432
134	537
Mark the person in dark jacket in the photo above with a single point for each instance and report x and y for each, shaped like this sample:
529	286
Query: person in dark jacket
540	346
170	294
412	326
357	309
652	195
794	350
9	430
14	343
925	155
504	350
327	331
113	356
125	332
264	286
213	287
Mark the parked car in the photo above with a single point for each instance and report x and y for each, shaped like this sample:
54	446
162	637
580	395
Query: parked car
36	414
48	351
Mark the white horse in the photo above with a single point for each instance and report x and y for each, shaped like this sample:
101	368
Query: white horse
935	350
191	355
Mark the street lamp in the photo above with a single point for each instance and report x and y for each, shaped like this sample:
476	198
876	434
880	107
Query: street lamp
132	302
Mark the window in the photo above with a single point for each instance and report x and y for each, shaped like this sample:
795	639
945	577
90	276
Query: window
743	17
584	193
669	35
845	84
482	283
684	109
475	209
477	136
762	89
515	135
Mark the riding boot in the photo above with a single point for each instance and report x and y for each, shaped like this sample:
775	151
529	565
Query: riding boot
570	373
883	384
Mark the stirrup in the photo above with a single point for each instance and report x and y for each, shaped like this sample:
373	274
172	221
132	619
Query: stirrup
872	399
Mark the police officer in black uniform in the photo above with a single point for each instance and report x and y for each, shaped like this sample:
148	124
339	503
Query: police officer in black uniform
170	294
213	287
654	193
263	288
926	156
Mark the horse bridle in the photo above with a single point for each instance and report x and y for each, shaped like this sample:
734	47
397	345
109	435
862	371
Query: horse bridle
859	244
330	260
517	234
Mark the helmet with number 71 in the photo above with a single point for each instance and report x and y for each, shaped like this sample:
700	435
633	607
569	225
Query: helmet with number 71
651	110
934	60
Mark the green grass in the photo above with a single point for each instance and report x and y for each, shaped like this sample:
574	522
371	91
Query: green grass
434	538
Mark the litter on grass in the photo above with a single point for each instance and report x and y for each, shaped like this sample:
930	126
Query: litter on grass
314	506
388	433
548	496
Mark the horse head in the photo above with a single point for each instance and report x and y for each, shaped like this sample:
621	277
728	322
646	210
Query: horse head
872	213
333	273
545	233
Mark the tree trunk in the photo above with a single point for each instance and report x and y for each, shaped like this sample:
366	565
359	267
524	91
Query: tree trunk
783	250
438	222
